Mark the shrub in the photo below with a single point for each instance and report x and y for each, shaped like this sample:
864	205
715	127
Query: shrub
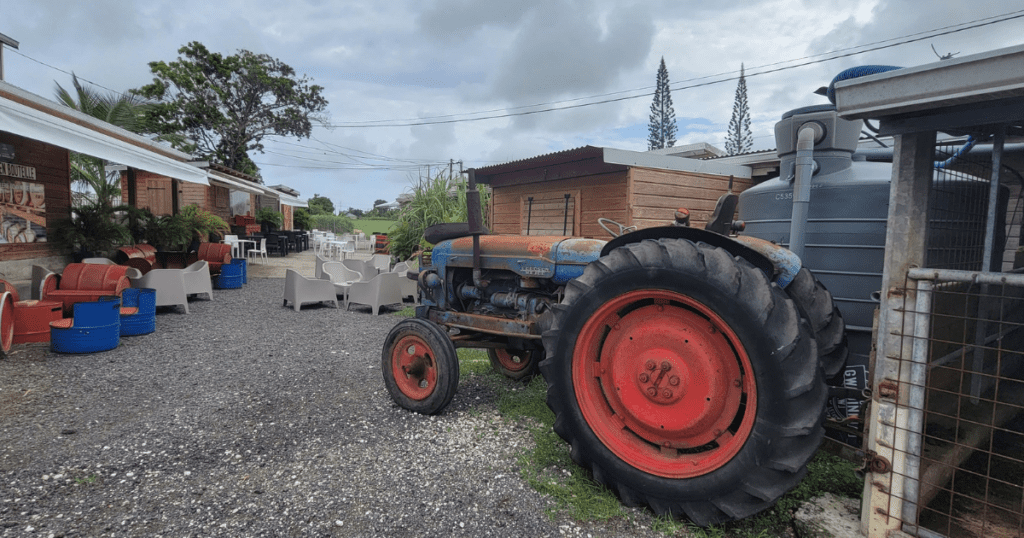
441	199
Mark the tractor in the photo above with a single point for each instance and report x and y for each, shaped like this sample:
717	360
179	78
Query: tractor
686	367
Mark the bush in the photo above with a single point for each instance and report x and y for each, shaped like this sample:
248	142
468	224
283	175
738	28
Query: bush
331	223
441	199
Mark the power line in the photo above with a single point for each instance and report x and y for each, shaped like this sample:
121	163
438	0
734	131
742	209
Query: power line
549	103
1011	16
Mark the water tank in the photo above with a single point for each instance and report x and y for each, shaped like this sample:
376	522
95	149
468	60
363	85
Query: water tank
846	224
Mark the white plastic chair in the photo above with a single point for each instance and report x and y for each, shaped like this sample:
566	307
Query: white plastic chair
262	251
318	267
197	279
233	241
342	277
169	285
299	289
382	262
359	266
407	285
99	261
381	290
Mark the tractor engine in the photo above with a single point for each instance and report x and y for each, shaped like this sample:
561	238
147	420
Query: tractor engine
520	278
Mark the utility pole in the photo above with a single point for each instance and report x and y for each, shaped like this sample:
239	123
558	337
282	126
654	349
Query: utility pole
4	40
451	165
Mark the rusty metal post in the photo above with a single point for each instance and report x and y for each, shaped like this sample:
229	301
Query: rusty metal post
905	243
565	216
529	213
475	220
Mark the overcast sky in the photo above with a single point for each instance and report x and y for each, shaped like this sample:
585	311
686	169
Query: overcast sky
448	61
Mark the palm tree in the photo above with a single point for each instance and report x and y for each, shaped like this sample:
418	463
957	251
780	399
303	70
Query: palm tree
121	110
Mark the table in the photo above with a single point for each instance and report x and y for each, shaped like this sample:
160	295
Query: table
343	247
242	246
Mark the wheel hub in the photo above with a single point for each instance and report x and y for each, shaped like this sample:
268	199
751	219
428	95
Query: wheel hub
664	382
413	367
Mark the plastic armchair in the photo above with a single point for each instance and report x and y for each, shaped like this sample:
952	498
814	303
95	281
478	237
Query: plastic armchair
382	262
197	279
380	290
169	285
262	251
99	261
408	286
359	266
299	289
342	277
94	326
318	270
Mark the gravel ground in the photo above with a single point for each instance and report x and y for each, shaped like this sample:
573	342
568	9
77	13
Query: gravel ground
245	418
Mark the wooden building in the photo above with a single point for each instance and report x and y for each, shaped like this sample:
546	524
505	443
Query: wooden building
565	193
36	138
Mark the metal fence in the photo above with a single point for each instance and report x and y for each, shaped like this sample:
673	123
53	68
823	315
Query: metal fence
951	408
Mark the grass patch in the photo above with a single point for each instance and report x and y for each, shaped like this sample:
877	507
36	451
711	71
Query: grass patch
373	226
549	469
407	312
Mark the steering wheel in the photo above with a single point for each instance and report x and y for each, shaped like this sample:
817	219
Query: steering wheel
622	229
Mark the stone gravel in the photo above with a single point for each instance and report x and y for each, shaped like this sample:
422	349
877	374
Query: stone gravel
245	418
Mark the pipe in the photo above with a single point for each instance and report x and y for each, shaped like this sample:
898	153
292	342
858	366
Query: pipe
809	133
475	218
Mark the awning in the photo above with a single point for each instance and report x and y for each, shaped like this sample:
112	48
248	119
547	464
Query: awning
291	200
88	135
235	184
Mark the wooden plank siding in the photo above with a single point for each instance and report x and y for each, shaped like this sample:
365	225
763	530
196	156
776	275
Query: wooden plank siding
602	195
656	194
52	165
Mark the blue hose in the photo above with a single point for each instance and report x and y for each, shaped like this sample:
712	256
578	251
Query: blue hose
854	72
865	70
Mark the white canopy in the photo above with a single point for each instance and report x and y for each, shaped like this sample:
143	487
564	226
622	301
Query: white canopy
31	116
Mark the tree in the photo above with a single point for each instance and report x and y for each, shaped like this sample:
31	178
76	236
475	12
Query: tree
662	126
379	211
123	110
739	139
320	205
357	212
222	107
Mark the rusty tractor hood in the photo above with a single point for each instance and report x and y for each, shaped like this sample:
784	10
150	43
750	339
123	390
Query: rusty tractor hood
558	258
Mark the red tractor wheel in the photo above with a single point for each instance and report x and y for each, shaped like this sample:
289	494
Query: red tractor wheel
685	380
515	364
6	323
420	366
815	304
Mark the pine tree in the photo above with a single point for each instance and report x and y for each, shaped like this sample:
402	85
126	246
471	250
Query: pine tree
738	139
662	127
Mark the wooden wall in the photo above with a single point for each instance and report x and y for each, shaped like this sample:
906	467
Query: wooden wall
602	195
656	194
153	192
53	167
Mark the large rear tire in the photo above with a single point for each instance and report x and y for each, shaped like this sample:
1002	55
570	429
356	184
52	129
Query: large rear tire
684	380
815	304
420	366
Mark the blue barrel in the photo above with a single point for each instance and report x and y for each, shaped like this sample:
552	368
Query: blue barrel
144	320
231	275
96	326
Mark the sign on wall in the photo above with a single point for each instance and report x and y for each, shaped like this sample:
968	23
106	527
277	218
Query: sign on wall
22	210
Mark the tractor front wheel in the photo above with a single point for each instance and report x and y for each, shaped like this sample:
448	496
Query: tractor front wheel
517	364
420	366
685	380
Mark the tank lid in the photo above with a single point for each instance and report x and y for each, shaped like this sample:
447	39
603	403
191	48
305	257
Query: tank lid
809	110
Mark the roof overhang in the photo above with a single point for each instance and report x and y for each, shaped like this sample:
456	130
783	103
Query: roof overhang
28	115
980	89
291	200
592	160
235	184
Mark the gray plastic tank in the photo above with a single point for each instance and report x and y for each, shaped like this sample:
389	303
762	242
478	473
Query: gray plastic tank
846	225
